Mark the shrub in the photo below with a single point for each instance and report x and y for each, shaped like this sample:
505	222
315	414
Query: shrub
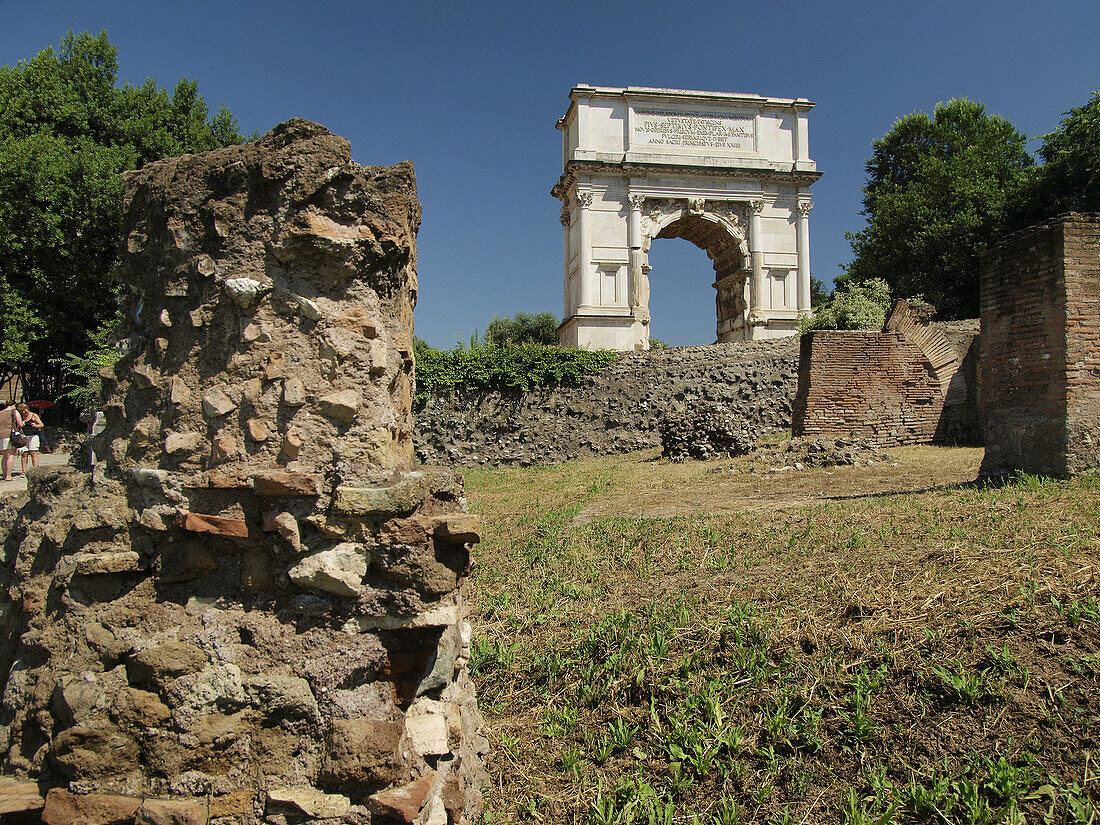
489	367
852	306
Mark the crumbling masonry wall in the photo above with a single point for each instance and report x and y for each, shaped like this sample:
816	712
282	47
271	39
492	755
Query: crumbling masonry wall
1040	370
253	611
910	383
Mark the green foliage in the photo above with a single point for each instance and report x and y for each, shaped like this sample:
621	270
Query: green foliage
1069	179
523	328
67	133
852	306
656	343
82	371
939	190
488	367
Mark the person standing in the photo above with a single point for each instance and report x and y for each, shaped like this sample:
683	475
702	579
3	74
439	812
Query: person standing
32	429
9	420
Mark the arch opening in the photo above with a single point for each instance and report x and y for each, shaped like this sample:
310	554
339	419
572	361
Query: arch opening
728	255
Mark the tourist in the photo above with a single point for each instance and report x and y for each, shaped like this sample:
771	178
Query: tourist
9	420
32	429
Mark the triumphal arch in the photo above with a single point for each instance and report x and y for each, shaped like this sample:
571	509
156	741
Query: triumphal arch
728	172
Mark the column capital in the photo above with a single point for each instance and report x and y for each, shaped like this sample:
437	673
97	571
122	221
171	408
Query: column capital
564	216
584	199
803	207
757	205
636	201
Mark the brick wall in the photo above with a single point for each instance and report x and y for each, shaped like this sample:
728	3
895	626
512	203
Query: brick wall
1040	370
904	385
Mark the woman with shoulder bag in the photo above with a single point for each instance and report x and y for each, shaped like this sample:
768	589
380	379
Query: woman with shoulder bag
9	422
32	429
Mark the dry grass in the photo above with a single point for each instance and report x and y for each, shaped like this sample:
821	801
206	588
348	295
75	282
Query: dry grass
858	644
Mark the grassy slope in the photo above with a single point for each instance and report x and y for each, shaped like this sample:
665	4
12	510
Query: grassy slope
790	648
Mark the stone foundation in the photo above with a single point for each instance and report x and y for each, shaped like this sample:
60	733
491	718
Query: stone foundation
1041	349
253	610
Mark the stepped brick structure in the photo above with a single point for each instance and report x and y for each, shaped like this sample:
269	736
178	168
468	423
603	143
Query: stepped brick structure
1040	370
909	383
252	610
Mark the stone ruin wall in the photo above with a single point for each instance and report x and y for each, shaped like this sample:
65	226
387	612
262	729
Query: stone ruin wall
252	611
1040	370
911	383
615	411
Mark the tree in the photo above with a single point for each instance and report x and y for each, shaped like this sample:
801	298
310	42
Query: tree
939	190
67	133
523	327
1069	178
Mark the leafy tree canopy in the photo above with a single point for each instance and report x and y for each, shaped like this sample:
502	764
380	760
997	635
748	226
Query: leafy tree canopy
523	328
67	132
1069	179
939	190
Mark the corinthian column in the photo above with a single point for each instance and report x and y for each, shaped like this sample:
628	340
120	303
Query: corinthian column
639	281
803	219
584	199
756	233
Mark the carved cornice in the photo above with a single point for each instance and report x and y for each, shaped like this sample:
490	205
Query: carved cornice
640	170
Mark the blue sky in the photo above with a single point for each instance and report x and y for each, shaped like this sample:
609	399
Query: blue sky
470	93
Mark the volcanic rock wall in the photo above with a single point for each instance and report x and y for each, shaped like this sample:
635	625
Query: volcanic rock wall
614	411
254	610
1041	349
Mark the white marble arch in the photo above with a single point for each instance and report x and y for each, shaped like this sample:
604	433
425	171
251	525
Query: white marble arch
727	172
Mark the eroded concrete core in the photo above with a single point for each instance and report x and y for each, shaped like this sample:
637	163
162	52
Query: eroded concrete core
253	610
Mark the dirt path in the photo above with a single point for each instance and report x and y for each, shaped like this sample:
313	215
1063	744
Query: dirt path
750	484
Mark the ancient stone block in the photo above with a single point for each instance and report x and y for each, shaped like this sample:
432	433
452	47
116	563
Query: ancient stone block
363	751
65	808
94	752
218	525
171	812
286	526
244	292
457	527
404	803
179	443
95	564
292	445
342	406
167	660
287	483
402	497
259	429
338	570
294	394
309	801
17	797
216	403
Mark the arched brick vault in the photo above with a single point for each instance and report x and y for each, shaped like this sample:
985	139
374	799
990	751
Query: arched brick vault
713	238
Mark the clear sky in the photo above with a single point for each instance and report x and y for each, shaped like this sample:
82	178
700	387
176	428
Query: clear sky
470	93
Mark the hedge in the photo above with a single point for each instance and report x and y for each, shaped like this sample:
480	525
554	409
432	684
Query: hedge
520	367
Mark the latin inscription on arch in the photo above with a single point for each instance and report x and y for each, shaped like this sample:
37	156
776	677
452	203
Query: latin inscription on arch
654	127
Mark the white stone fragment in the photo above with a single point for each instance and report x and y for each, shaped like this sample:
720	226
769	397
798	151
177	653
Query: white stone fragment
338	570
312	802
216	403
426	728
244	292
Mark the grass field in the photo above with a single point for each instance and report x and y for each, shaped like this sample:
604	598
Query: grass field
724	642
